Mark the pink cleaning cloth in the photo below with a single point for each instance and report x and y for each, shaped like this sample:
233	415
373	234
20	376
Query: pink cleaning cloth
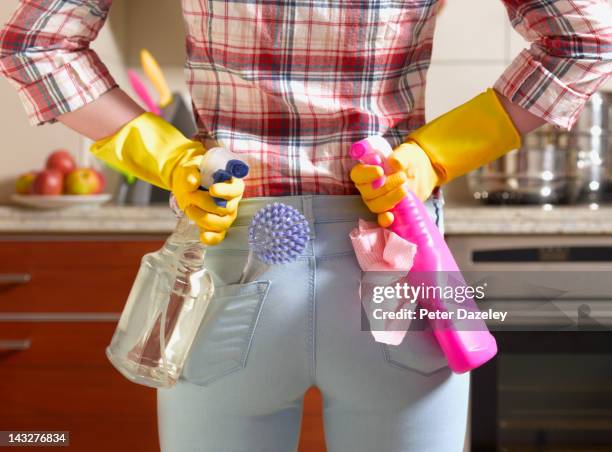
381	250
378	249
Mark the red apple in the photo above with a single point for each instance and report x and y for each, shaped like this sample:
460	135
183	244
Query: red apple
101	181
24	183
61	161
48	182
83	181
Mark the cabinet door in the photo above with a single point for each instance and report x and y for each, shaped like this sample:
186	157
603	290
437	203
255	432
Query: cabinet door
68	276
55	376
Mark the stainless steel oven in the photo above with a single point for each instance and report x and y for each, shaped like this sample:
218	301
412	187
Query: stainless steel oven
550	386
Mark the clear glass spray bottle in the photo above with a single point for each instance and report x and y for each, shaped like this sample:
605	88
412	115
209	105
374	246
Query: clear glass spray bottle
170	294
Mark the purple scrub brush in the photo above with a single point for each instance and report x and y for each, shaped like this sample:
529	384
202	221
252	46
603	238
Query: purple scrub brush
278	234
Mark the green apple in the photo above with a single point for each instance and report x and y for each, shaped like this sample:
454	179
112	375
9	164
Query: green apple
23	185
83	181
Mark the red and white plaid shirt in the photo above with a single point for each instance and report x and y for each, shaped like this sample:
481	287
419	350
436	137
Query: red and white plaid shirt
290	85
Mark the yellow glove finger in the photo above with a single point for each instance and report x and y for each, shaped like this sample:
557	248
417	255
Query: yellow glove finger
404	156
230	189
391	182
186	177
421	187
388	200
210	221
385	219
211	238
362	174
204	201
415	163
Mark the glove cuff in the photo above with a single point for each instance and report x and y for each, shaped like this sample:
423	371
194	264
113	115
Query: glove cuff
468	136
149	148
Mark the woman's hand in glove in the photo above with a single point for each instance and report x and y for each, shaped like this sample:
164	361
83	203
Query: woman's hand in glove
457	142
413	171
199	205
153	150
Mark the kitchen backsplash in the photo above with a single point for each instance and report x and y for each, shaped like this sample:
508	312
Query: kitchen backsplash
474	42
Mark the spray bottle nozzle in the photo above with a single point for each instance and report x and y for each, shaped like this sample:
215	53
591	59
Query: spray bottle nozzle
220	165
237	168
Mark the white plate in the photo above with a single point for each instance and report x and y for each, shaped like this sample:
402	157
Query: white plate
60	201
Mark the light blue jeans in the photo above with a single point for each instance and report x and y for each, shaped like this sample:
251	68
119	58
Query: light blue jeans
263	344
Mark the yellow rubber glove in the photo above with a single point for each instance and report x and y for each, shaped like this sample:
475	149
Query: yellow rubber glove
155	151
457	142
416	174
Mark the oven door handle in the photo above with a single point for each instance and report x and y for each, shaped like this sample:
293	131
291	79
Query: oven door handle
560	313
14	278
18	345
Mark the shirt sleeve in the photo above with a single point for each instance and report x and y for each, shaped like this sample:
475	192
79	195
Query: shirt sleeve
44	52
569	57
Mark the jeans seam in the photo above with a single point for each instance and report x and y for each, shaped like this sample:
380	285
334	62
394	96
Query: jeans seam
337	220
263	295
399	365
336	255
216	377
241	289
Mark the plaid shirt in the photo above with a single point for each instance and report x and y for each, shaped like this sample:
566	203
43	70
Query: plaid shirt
290	85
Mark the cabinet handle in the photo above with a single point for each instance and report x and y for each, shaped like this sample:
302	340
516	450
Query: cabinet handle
15	278
15	346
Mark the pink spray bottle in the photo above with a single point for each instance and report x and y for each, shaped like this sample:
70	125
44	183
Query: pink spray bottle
464	349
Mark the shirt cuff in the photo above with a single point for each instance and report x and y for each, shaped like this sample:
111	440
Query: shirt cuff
527	83
68	88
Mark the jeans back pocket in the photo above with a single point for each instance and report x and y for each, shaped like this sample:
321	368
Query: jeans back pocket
224	338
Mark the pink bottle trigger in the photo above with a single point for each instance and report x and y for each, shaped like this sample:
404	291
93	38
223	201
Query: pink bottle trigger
362	151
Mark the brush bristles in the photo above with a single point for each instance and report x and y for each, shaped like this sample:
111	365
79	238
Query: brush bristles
278	233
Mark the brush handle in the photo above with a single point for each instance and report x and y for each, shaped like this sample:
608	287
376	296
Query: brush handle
253	269
141	90
156	77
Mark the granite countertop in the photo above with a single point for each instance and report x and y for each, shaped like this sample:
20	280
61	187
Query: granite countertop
83	220
468	220
524	220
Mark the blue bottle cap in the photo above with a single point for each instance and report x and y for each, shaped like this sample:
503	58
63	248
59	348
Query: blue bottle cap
237	168
221	176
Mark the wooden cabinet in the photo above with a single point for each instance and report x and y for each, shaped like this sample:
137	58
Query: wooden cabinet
60	380
59	301
69	276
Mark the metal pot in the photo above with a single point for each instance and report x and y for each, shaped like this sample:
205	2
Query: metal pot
554	166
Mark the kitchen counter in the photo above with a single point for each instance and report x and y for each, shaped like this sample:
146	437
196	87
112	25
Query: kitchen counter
472	220
104	219
528	220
